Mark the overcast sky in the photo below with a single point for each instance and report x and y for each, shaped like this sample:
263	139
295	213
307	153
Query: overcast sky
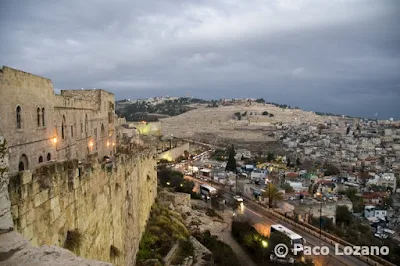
339	56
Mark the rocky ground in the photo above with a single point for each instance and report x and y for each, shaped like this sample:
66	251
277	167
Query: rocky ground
16	251
199	217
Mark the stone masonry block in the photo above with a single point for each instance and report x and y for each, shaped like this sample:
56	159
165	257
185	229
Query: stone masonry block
63	218
35	188
24	207
27	232
42	197
24	191
55	214
54	202
26	177
14	211
30	217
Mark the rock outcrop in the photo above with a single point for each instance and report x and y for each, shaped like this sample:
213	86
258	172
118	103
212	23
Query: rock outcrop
16	251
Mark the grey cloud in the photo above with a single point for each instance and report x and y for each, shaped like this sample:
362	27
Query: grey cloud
324	55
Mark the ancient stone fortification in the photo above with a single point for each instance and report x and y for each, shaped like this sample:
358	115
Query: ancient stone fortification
41	126
5	215
103	206
174	153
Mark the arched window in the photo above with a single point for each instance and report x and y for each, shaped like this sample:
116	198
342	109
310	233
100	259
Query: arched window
23	163
95	133
40	159
72	131
18	113
38	117
48	156
62	127
43	120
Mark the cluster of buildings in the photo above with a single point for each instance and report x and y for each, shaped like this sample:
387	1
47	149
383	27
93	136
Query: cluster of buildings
366	153
367	146
150	101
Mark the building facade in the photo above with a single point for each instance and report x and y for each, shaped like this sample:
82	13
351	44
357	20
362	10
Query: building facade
42	126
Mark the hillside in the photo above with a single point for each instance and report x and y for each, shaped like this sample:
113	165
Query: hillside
221	126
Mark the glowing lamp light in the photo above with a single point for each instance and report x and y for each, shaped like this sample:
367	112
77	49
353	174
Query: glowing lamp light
264	244
113	143
181	185
54	140
91	144
168	183
108	143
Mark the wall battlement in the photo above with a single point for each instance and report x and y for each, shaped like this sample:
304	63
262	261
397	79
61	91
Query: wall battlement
61	102
107	204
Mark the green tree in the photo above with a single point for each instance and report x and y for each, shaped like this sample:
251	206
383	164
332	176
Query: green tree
186	187
273	194
343	215
238	115
288	162
298	163
265	113
288	188
270	157
351	194
331	170
387	202
231	164
260	100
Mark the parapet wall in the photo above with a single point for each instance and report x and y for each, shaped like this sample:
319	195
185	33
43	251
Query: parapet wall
66	102
174	153
103	206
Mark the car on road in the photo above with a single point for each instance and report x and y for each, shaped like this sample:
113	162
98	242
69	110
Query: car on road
237	201
238	198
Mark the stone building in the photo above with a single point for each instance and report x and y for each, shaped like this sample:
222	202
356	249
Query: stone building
42	126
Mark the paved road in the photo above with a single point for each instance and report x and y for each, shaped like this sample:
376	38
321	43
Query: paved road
260	217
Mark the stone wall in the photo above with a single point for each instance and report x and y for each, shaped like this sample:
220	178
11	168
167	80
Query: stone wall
43	126
5	215
174	153
105	205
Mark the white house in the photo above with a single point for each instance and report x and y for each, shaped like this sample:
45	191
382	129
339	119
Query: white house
384	180
297	186
258	174
206	173
374	212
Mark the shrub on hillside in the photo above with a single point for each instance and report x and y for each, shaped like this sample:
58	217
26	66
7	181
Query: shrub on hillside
222	253
164	228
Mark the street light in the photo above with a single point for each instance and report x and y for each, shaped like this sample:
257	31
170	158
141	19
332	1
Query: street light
264	243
